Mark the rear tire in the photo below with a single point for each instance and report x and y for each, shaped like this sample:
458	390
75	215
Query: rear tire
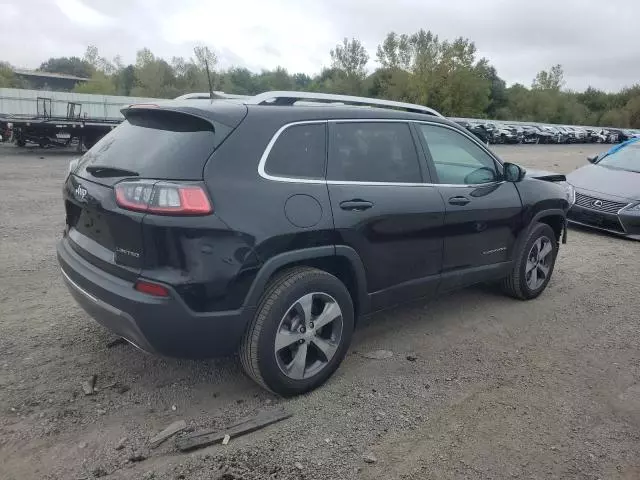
534	264
290	305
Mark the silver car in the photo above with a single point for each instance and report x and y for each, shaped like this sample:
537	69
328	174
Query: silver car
607	192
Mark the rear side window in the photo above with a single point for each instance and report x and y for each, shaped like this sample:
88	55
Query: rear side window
373	152
158	144
299	152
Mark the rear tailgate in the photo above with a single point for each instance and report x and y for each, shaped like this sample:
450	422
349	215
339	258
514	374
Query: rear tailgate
99	231
152	145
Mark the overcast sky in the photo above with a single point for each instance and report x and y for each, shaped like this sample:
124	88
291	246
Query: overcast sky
596	41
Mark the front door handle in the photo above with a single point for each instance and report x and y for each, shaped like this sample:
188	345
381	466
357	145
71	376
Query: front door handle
356	205
461	201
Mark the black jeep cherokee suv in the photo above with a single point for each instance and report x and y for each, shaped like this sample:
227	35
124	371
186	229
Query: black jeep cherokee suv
202	228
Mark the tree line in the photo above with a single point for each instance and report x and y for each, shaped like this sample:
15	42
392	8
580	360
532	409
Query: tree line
416	68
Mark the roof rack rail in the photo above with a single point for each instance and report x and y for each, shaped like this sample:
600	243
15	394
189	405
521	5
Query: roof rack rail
290	98
206	95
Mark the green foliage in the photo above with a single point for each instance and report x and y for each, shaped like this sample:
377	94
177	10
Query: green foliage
205	58
68	66
551	80
124	79
497	92
98	83
417	68
154	77
421	68
349	60
7	77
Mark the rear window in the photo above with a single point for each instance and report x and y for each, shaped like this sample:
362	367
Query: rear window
158	144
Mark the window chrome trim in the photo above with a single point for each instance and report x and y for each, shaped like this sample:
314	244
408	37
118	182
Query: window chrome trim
316	181
374	184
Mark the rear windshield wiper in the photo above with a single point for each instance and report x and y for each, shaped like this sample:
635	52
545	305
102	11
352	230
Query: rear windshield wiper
106	171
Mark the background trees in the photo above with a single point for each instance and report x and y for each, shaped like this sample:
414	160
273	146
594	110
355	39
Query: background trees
419	68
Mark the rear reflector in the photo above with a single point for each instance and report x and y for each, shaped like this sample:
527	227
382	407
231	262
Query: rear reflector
151	288
163	198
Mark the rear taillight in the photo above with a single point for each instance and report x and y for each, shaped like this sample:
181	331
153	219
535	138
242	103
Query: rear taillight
164	198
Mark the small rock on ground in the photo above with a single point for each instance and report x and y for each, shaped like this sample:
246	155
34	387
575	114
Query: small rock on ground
369	457
378	354
121	443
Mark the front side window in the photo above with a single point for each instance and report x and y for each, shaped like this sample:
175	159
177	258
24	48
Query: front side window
458	160
373	152
299	152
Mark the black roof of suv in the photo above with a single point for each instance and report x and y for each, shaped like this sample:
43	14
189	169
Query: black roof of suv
201	228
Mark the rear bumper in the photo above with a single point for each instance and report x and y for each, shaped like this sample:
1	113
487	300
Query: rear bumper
165	326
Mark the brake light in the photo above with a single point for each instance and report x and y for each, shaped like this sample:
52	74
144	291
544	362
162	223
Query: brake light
144	105
163	198
151	288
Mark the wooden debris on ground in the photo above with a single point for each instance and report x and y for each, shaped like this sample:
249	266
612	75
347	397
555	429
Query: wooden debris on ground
89	386
245	426
167	433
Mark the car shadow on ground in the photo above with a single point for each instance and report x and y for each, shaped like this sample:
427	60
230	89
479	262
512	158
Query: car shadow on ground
601	233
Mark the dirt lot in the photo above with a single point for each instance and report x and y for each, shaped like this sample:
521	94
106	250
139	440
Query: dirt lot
499	389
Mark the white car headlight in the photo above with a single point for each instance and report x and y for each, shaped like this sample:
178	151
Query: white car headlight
73	164
570	193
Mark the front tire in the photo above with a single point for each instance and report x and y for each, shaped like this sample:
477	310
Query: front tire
300	333
534	265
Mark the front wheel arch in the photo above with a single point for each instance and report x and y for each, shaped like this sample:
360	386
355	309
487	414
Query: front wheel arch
555	218
556	222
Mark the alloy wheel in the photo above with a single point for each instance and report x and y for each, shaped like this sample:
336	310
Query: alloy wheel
308	336
539	262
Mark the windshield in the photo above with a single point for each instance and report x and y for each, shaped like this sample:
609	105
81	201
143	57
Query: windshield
624	158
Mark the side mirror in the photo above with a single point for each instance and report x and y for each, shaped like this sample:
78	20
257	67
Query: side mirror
513	173
593	159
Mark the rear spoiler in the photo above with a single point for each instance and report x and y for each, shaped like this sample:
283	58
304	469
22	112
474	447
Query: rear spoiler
230	114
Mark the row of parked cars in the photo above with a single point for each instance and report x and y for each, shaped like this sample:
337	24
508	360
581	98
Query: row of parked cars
505	132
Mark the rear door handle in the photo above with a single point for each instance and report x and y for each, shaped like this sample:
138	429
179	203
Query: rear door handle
461	201
356	205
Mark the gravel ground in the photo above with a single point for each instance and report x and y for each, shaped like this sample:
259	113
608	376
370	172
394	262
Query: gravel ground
498	388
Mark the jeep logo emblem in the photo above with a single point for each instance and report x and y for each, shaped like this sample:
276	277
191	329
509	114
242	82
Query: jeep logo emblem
80	192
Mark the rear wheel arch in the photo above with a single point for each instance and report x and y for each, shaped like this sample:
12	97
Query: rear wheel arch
340	261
